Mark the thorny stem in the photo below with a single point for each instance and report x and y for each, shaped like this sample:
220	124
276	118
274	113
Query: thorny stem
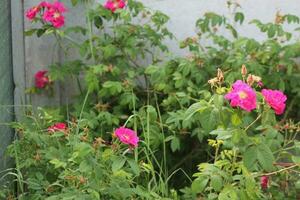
281	170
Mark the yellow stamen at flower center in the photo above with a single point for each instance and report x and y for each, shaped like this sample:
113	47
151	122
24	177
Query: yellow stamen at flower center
243	95
56	15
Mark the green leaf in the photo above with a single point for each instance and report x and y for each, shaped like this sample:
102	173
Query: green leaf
250	157
221	134
228	193
237	136
268	117
235	119
232	30
216	182
109	51
194	108
98	21
265	157
82	150
175	144
151	69
218	100
85	166
239	17
114	87
271	31
57	163
199	184
40	32
30	32
134	166
118	163
74	2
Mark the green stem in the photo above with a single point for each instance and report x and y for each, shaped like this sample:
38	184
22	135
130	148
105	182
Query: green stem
258	117
164	142
90	31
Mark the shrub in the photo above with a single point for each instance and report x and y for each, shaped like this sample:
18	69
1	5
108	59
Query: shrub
142	122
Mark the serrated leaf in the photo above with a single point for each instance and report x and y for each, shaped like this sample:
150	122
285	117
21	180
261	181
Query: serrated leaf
216	182
265	157
134	166
193	109
250	157
175	144
199	184
118	163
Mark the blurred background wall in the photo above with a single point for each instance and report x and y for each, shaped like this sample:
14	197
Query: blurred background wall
6	82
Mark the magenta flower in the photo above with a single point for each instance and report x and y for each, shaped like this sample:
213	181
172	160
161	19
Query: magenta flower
264	180
54	13
32	12
242	95
57	127
127	136
276	99
41	79
113	5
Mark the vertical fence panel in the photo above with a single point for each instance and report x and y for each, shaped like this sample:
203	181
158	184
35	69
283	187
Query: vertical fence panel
6	81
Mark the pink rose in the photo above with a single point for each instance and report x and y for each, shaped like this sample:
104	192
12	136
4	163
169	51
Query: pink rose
32	12
45	4
242	95
57	127
276	99
54	17
127	136
41	79
113	5
54	13
264	180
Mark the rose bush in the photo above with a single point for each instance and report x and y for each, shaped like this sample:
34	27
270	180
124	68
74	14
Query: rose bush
138	129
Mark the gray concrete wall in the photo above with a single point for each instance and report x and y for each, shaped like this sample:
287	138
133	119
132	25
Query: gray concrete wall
6	81
40	52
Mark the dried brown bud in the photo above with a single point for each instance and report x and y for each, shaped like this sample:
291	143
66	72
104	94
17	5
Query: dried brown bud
37	157
220	76
70	178
279	19
195	39
215	29
84	138
244	71
213	81
102	107
256	79
251	79
98	141
82	180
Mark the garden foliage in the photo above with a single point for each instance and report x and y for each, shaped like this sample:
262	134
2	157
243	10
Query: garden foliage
220	123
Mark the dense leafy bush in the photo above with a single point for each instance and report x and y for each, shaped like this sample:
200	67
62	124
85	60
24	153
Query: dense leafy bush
178	113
